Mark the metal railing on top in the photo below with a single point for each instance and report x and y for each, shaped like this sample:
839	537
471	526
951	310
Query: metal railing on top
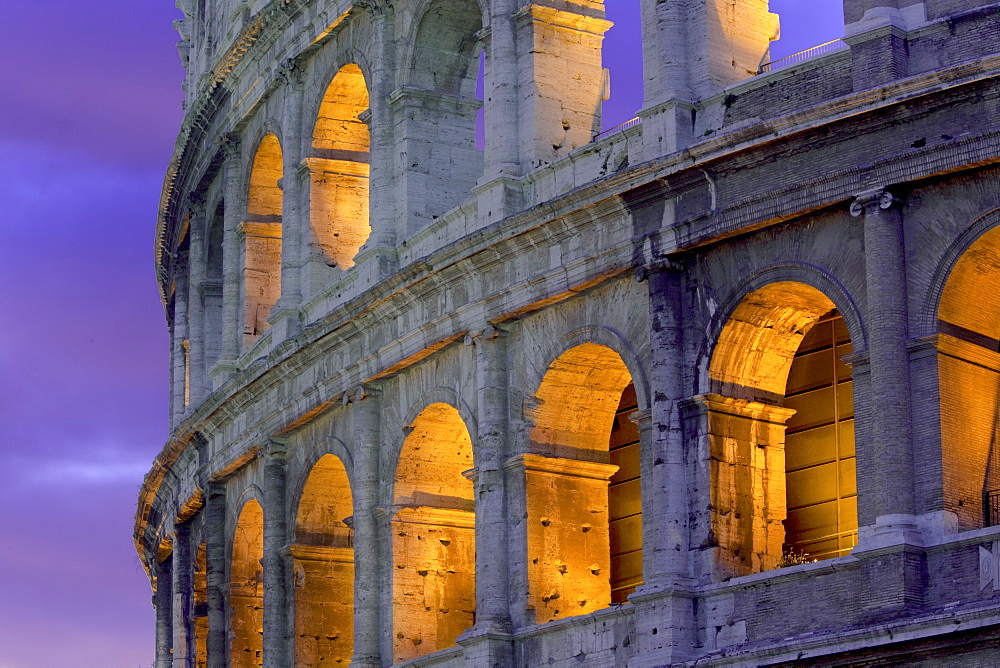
827	47
991	503
617	128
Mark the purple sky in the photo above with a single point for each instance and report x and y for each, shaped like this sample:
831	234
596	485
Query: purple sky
90	109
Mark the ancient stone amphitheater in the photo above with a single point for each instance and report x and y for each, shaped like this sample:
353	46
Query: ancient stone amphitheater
718	386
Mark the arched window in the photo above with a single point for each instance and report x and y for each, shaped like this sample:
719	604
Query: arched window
433	535
339	171
246	588
261	233
969	384
323	555
778	434
582	482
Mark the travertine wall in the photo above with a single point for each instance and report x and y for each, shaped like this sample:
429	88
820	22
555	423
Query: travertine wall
398	358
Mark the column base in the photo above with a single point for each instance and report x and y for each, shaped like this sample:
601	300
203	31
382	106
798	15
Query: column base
487	644
666	627
667	127
223	370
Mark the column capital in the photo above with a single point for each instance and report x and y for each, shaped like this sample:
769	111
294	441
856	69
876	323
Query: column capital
487	333
231	145
276	449
358	394
376	8
196	204
873	200
657	265
291	72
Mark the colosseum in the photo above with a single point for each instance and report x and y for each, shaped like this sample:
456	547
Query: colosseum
720	386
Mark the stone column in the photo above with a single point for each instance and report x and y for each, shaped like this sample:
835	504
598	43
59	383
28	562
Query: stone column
287	320
381	209
277	653
196	307
183	587
692	51
179	343
367	569
885	276
215	565
499	191
225	367
892	558
489	643
665	601
164	615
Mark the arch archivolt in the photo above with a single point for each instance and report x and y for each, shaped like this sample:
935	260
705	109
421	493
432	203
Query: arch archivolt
815	281
307	453
927	317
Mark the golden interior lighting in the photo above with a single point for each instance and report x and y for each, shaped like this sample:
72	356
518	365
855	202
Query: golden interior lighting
969	384
433	535
246	588
262	240
583	486
339	170
323	555
780	433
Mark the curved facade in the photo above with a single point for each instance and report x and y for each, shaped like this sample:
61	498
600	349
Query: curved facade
721	386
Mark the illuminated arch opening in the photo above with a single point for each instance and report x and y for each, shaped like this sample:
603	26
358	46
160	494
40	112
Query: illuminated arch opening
583	486
969	384
261	233
778	495
323	556
433	535
339	169
439	107
246	588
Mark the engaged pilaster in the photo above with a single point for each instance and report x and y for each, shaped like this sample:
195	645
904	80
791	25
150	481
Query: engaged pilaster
217	585
182	567
179	343
198	376
287	319
892	558
367	589
225	367
276	572
489	642
665	600
162	601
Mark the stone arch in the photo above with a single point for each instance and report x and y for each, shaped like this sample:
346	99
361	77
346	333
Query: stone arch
433	534
436	108
806	274
246	586
775	497
323	565
968	364
339	168
261	231
609	338
582	484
